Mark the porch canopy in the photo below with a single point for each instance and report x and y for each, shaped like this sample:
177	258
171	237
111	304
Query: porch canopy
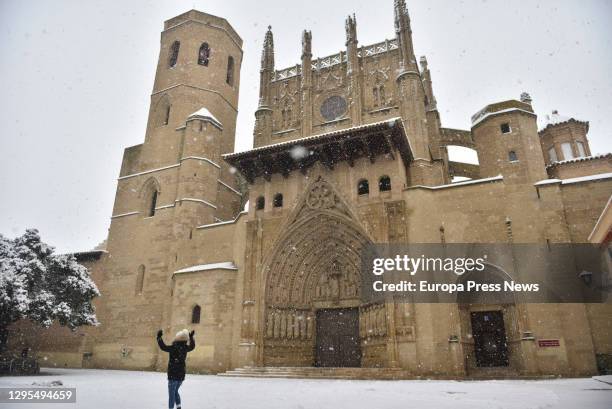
371	140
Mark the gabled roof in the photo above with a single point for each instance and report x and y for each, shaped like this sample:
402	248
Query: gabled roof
205	115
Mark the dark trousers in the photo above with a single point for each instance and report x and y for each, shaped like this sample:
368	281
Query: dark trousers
173	394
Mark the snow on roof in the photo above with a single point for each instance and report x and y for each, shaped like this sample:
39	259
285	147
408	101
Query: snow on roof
390	122
554	119
589	178
580	159
226	265
204	114
478	118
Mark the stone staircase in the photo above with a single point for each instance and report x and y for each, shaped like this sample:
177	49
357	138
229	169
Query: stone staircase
307	372
319	373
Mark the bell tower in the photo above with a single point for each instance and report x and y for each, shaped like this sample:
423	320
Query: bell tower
192	114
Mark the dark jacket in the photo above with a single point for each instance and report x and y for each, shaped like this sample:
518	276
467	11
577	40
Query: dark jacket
178	352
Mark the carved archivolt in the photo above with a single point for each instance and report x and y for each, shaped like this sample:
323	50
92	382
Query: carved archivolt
318	258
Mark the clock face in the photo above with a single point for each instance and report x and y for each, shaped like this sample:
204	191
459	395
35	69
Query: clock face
333	108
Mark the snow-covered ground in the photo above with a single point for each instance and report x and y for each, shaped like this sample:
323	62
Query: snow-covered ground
147	390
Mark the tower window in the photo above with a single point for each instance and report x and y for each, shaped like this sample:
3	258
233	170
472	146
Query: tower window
512	156
363	187
174	50
230	71
152	204
566	148
204	54
505	128
384	183
260	203
140	280
195	314
552	155
581	150
167	116
278	200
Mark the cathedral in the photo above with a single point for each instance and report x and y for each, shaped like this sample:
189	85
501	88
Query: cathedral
259	251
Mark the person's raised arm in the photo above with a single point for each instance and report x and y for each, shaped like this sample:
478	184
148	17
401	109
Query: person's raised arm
191	341
160	341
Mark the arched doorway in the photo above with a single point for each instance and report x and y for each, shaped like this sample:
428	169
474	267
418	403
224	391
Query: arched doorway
313	286
489	324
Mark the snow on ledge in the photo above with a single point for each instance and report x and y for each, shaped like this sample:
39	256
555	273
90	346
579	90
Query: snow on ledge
206	226
226	265
191	199
601	176
124	214
467	182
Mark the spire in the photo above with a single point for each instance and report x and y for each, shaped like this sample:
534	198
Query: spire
306	44
267	55
267	69
403	33
402	19
351	29
427	84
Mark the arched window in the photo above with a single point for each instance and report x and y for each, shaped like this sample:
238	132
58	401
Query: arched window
204	54
278	200
195	314
512	156
230	71
260	203
384	183
166	116
363	187
152	203
174	50
140	279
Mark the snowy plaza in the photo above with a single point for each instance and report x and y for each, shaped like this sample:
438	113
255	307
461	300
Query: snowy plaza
139	390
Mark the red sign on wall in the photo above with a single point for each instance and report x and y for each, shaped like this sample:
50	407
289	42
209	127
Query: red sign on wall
545	343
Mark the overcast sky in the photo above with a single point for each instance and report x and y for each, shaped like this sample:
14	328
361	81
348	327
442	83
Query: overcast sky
76	78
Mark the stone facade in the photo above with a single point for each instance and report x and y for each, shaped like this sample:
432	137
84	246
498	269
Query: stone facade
348	150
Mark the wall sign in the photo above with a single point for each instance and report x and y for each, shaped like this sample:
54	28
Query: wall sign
547	343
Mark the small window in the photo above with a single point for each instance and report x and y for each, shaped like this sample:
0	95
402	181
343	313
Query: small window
581	150
195	314
566	148
278	200
552	155
204	54
363	187
152	204
174	50
140	280
505	128
512	156
384	183
230	71
260	203
166	116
